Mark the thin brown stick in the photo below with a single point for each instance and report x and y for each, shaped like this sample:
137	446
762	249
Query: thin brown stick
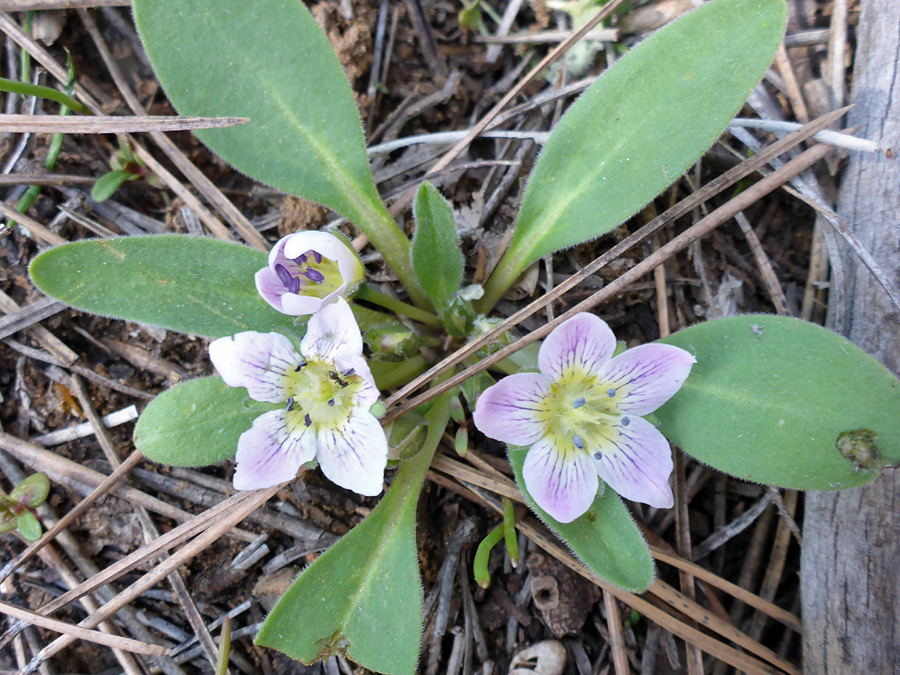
27	5
253	501
85	124
38	231
146	553
713	188
52	179
683	541
67	519
682	241
116	641
794	93
616	638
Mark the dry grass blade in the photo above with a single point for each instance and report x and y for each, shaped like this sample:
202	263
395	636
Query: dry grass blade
682	241
67	520
616	638
245	508
44	179
459	471
123	643
713	188
85	124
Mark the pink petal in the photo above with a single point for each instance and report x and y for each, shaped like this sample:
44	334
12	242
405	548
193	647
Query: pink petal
355	455
507	411
258	361
268	455
564	484
645	377
584	343
332	334
636	462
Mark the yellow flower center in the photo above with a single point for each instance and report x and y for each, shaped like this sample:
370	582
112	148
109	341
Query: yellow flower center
318	394
579	413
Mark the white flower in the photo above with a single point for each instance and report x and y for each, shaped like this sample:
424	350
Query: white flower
326	390
306	271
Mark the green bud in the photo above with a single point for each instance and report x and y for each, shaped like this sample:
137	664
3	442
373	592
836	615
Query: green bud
407	435
457	413
461	441
392	343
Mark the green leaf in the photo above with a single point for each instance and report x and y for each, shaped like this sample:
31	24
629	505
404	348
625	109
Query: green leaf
32	492
605	538
108	183
771	398
189	284
640	126
363	597
436	257
196	423
267	60
28	526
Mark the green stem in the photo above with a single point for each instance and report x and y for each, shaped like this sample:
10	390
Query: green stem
375	221
389	374
483	554
376	297
509	531
411	474
504	276
27	89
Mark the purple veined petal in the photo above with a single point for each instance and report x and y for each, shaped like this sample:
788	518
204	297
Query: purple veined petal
636	462
258	361
332	334
355	455
564	484
645	377
268	455
329	246
584	343
508	411
270	288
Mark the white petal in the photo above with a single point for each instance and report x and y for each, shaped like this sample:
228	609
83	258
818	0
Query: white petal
636	462
355	455
258	361
332	334
268	455
581	344
508	411
563	482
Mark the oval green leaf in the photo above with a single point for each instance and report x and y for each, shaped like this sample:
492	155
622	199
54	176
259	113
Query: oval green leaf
640	126
267	60
189	284
363	598
771	398
606	538
196	423
436	257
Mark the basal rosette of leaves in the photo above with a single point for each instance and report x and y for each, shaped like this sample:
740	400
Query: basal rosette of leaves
767	399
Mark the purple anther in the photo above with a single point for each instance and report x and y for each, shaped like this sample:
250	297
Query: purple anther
576	439
307	420
578	402
289	405
331	403
625	421
314	275
318	257
300	366
348	372
300	259
291	283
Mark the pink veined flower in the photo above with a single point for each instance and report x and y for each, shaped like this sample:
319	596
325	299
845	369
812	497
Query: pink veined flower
581	415
326	391
306	271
